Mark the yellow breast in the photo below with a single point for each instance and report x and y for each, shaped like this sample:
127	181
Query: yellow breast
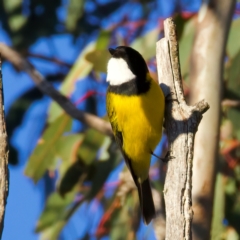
140	119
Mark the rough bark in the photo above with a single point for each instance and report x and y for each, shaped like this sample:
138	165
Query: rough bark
3	157
181	123
206	75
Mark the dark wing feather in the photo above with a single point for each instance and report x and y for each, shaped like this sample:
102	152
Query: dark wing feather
144	188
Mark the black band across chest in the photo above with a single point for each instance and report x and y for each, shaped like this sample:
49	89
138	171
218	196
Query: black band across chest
132	87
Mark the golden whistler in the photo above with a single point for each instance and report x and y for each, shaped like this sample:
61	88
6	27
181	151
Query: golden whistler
135	107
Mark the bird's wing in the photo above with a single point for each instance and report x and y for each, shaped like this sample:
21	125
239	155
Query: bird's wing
118	134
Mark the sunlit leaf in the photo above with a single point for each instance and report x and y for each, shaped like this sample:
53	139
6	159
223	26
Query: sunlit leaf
146	44
55	209
53	232
185	45
67	150
86	153
218	208
44	154
81	69
17	22
233	43
99	56
53	219
67	147
233	92
232	234
74	14
103	40
90	146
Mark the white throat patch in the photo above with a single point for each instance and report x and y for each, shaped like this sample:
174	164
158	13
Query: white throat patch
118	72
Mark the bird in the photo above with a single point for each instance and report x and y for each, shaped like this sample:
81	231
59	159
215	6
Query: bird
135	107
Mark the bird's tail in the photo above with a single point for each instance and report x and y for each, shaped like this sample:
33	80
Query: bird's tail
146	201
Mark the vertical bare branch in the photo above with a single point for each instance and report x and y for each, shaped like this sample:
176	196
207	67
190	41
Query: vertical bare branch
181	125
3	157
206	73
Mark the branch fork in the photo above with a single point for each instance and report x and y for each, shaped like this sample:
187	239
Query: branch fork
181	123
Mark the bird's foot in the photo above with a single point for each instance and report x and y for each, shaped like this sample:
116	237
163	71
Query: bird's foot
167	158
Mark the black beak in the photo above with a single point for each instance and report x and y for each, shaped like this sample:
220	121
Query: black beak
111	50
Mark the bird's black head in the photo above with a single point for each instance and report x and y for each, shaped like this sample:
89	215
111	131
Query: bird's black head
127	72
133	58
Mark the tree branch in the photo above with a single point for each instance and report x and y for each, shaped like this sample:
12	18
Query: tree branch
23	65
51	59
3	157
181	125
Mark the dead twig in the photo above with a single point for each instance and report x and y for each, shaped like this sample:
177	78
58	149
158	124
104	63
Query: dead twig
50	59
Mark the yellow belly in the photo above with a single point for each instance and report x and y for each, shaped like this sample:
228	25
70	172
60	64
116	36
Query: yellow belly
140	120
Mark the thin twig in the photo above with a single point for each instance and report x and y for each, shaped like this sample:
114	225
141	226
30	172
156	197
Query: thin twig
3	157
230	103
50	59
23	65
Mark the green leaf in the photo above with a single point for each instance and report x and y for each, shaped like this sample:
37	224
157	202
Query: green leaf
233	43
67	151
81	69
99	59
44	154
126	219
56	214
232	234
90	146
230	186
17	22
234	115
99	56
233	91
146	44
218	208
74	14
11	5
67	147
17	19
103	169
71	177
233	74
71	171
53	231
187	32
103	40
55	210
232	210
103	153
